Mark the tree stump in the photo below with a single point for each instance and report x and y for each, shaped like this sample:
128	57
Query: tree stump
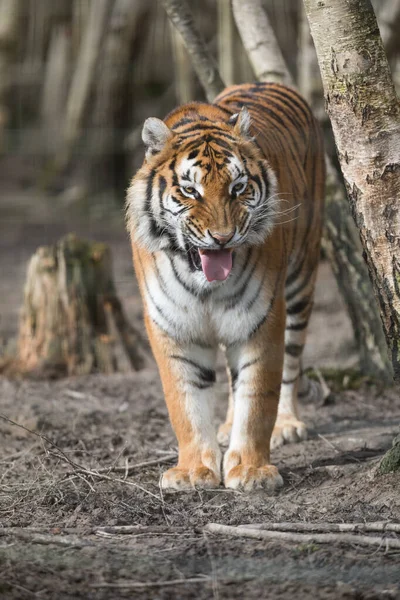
72	321
391	460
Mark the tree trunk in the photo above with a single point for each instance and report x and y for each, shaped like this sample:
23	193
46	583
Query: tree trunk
342	246
341	238
180	15
260	42
106	125
10	11
308	77
80	17
226	46
391	461
389	24
364	111
71	316
183	79
55	86
84	76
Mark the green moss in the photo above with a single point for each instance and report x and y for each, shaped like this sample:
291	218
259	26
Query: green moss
307	548
343	379
391	461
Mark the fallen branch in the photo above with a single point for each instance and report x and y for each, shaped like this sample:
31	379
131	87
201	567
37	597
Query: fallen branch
302	538
44	539
121	585
380	526
139	530
69	537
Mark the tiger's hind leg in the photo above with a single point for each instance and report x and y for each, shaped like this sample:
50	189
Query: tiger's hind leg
299	301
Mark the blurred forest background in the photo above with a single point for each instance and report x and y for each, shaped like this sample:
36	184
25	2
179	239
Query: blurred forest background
78	77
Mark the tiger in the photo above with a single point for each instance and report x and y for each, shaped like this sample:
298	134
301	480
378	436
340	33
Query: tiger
225	219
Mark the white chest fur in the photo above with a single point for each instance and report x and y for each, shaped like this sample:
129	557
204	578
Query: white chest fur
191	310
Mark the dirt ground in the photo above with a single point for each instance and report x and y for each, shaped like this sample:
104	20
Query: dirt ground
61	502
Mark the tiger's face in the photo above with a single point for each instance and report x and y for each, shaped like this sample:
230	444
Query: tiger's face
205	190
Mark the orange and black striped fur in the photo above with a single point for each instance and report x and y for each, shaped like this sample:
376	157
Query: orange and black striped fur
225	220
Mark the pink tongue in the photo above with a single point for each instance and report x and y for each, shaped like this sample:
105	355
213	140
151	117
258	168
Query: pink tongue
216	264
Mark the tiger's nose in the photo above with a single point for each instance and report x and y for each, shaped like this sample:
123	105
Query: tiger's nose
222	238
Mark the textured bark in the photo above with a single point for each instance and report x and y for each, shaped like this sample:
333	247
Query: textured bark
391	461
364	111
341	243
180	15
341	237
71	313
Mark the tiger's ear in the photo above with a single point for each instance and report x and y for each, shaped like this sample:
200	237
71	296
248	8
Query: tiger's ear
155	134
241	122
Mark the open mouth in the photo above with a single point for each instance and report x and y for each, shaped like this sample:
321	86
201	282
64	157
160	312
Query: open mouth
215	264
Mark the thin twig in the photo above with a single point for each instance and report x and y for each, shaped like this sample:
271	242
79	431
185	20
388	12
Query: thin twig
147	463
41	436
326	391
76	466
18	587
302	538
330	444
162	500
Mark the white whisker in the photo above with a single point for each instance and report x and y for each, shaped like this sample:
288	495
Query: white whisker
289	221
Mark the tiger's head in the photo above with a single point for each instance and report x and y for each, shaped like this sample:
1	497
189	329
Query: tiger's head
204	190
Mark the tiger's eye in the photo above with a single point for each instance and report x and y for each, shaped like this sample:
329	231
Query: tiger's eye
190	191
238	188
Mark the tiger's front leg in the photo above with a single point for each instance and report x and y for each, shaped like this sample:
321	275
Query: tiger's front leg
188	375
256	369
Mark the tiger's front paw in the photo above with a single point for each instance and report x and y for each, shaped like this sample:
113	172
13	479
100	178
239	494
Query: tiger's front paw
248	477
200	477
288	429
